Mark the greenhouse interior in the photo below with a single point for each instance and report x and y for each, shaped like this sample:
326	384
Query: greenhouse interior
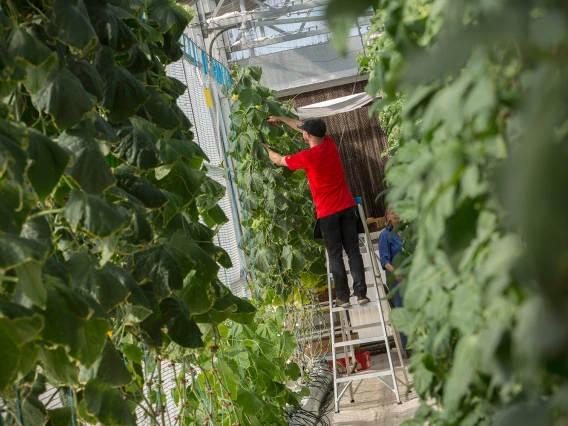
277	212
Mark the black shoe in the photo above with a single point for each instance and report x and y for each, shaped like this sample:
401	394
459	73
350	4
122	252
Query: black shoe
342	304
409	353
363	300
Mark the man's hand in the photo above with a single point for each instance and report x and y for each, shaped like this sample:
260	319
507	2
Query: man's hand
398	278
274	120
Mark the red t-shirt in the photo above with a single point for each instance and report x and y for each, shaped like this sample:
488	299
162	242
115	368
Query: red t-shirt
325	175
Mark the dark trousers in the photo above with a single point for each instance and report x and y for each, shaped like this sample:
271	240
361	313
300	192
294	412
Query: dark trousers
339	232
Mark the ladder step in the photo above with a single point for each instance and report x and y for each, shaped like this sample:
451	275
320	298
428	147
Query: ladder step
359	341
354	307
363	326
362	376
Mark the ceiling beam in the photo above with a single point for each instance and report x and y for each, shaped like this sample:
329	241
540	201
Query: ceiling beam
237	47
231	19
269	22
218	8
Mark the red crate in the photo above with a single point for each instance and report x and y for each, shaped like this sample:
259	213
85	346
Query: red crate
364	359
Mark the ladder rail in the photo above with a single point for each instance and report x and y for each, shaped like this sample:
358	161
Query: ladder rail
333	367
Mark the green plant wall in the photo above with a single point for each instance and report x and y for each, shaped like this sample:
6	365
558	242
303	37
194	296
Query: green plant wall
108	270
479	177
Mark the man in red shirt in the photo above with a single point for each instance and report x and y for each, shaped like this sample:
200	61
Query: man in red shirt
335	206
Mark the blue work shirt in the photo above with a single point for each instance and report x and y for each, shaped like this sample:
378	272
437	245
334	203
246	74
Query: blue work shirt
389	246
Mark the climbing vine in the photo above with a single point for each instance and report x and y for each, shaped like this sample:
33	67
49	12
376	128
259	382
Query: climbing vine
278	211
108	270
479	177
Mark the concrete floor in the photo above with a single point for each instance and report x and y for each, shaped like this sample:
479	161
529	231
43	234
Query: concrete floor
375	404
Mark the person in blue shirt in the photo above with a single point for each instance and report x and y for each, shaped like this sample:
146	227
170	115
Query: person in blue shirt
389	246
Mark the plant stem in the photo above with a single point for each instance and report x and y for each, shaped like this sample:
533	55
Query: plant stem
162	411
46	212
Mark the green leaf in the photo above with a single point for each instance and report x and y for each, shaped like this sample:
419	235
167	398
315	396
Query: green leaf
123	94
173	207
463	371
218	216
59	417
50	161
218	254
108	369
60	370
137	149
183	181
265	260
95	215
30	284
180	327
10	70
140	231
212	191
197	295
15	333
14	208
244	313
160	111
38	229
140	187
174	148
110	29
33	411
249	98
62	95
67	324
106	405
158	266
149	129
15	251
84	415
89	168
249	401
292	370
13	159
103	130
101	284
27	49
460	230
206	268
293	259
88	76
168	17
73	26
341	16
133	353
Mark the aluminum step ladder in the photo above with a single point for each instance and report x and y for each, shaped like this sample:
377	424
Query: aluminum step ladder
347	343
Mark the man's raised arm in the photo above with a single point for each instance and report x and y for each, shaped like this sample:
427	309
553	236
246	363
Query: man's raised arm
286	120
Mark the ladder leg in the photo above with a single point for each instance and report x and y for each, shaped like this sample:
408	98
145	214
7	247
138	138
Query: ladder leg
346	335
332	335
398	345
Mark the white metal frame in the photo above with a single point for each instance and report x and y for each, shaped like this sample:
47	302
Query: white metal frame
346	328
